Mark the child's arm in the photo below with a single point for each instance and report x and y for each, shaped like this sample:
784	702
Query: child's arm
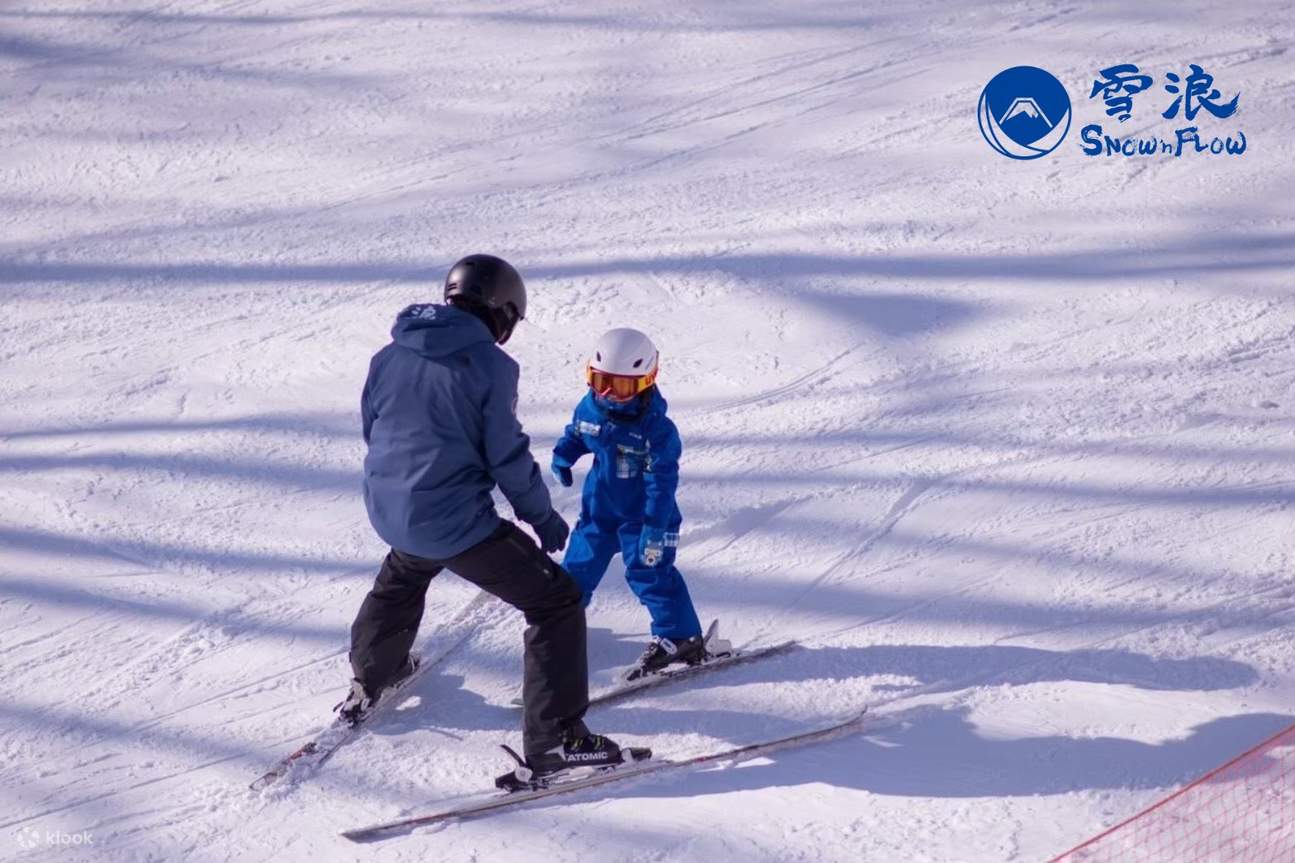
567	451
661	478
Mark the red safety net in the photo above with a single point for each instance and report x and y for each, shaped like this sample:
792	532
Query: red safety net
1241	812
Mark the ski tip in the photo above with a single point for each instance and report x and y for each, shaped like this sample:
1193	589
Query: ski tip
362	836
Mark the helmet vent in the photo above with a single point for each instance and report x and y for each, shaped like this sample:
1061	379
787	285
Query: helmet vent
638	362
599	356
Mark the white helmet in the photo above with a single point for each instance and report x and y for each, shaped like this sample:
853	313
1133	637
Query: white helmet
623	365
624	352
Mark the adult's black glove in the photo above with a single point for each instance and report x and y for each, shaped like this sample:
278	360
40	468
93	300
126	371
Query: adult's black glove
553	532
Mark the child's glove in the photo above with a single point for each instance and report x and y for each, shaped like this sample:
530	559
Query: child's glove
651	546
562	470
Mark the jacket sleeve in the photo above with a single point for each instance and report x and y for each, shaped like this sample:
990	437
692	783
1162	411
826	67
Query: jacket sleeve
508	450
368	413
569	448
661	478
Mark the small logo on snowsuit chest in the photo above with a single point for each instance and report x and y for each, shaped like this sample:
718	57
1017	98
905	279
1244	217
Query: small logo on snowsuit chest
630	448
630	462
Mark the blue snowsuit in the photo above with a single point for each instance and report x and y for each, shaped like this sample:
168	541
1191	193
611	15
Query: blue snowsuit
632	484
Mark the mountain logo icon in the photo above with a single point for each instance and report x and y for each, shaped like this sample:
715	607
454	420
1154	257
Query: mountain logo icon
1024	112
1026	107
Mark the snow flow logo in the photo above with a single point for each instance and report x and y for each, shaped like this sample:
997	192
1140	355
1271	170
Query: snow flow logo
1024	112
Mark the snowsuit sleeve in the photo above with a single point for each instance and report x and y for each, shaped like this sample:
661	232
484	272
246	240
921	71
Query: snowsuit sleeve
571	445
508	449
661	478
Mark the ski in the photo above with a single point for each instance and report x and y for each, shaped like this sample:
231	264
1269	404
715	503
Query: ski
522	778
723	656
687	672
502	801
339	732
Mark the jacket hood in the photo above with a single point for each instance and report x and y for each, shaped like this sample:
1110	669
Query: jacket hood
436	331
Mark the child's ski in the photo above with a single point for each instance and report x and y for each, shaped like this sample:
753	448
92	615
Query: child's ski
719	655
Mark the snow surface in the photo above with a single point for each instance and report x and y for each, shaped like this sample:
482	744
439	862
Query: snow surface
1010	446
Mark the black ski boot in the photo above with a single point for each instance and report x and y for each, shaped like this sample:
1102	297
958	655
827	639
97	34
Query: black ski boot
576	751
661	652
359	702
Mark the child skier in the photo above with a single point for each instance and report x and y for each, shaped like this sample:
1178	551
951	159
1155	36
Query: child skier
628	505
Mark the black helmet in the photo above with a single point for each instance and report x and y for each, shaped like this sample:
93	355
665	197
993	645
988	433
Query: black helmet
489	288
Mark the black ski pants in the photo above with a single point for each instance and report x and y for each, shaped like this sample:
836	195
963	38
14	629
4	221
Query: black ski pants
509	565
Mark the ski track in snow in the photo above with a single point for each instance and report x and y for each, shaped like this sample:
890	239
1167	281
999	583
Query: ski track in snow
1006	447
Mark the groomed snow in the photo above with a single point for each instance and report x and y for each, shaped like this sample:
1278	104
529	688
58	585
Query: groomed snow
1010	446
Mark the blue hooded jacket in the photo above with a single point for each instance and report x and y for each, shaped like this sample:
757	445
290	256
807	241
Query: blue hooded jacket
439	411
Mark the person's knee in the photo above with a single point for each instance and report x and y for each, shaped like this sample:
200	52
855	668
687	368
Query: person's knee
566	589
561	597
656	578
584	581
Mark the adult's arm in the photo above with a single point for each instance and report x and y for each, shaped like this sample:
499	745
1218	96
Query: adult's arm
508	449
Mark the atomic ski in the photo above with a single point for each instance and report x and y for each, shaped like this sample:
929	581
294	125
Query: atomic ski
719	655
523	778
502	801
339	732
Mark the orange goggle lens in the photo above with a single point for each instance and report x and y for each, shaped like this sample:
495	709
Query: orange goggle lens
618	387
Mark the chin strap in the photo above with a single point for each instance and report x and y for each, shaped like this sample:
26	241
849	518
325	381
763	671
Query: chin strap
634	408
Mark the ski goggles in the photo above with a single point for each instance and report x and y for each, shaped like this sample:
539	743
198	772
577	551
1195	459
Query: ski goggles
619	388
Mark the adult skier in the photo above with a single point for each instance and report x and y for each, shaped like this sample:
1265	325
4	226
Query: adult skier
628	504
439	416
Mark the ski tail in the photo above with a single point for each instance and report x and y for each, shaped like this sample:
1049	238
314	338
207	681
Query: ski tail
337	733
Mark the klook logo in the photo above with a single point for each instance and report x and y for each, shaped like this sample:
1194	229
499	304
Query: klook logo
31	838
